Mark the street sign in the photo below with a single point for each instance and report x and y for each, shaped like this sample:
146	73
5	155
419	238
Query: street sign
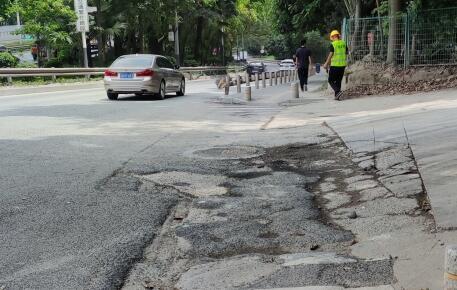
26	37
82	24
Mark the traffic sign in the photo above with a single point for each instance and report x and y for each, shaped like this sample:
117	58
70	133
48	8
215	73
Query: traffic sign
82	24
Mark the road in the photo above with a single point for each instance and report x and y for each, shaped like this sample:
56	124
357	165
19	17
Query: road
100	194
192	192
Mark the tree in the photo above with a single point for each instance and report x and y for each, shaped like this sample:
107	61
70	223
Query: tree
50	22
394	9
4	5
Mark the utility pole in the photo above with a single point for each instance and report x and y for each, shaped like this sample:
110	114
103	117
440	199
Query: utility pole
83	25
223	46
84	40
177	39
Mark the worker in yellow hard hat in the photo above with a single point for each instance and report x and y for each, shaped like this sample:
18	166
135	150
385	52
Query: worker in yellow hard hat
336	62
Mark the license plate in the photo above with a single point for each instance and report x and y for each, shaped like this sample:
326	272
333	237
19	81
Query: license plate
126	75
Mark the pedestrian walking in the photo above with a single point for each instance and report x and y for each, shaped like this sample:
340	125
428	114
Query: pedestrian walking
303	61
336	61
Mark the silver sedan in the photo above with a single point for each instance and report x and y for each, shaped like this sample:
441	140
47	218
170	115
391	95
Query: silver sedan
142	74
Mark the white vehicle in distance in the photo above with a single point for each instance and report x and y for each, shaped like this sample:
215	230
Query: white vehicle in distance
143	74
287	64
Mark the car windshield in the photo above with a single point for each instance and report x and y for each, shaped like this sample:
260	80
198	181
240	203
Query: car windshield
287	62
138	61
256	64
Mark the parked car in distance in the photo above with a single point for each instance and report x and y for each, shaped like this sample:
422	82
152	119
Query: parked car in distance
3	48
287	64
143	74
255	67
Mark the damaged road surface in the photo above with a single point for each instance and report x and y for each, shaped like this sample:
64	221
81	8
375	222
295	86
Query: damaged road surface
256	222
191	193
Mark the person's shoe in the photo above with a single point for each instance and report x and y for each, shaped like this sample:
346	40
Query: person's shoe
338	96
306	88
301	88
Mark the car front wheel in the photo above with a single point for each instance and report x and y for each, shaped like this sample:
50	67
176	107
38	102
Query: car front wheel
182	88
112	96
162	93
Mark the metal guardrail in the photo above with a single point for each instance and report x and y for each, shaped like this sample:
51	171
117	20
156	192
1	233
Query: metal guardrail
10	73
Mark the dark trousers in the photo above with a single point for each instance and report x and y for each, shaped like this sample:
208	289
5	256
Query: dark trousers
303	76
335	77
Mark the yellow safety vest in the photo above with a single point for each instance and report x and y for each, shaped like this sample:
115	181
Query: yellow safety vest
339	53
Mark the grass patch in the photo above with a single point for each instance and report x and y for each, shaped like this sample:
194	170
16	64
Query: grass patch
36	81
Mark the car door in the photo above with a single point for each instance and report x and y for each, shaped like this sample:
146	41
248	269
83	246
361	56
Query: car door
165	73
175	80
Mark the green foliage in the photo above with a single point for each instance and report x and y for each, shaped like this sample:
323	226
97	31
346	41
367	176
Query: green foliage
26	65
8	60
277	47
50	21
4	5
318	44
295	18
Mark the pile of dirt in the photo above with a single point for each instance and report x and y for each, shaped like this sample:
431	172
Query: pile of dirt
368	79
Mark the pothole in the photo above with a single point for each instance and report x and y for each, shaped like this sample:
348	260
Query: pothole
228	152
190	183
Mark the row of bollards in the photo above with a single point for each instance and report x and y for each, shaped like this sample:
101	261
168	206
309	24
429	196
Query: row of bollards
280	77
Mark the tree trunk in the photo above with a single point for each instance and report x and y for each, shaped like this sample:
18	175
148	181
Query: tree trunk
154	45
355	36
394	8
100	38
198	39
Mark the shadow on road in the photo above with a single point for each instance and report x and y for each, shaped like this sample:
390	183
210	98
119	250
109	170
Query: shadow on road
145	98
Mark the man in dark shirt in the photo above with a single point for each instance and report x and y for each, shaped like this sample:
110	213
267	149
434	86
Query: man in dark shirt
302	61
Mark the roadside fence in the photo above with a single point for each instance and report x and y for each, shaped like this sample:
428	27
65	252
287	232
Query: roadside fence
416	38
10	73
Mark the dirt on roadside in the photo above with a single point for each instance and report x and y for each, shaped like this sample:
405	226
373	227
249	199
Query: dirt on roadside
367	79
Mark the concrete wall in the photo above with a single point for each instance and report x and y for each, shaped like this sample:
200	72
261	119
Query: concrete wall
7	33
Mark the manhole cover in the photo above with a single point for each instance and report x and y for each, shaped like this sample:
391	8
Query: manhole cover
228	152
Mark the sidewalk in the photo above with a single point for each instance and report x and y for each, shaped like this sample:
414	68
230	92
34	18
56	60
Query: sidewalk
371	125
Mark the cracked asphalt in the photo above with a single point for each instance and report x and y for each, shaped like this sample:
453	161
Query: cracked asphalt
192	192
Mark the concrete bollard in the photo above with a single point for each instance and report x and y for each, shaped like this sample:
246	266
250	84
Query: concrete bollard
450	268
280	77
289	77
264	81
271	79
294	87
238	84
248	79
227	85
257	81
247	93
9	81
276	78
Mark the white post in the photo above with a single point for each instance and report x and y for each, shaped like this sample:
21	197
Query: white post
257	80
450	268
248	79
238	84
247	93
271	79
294	87
264	81
227	85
